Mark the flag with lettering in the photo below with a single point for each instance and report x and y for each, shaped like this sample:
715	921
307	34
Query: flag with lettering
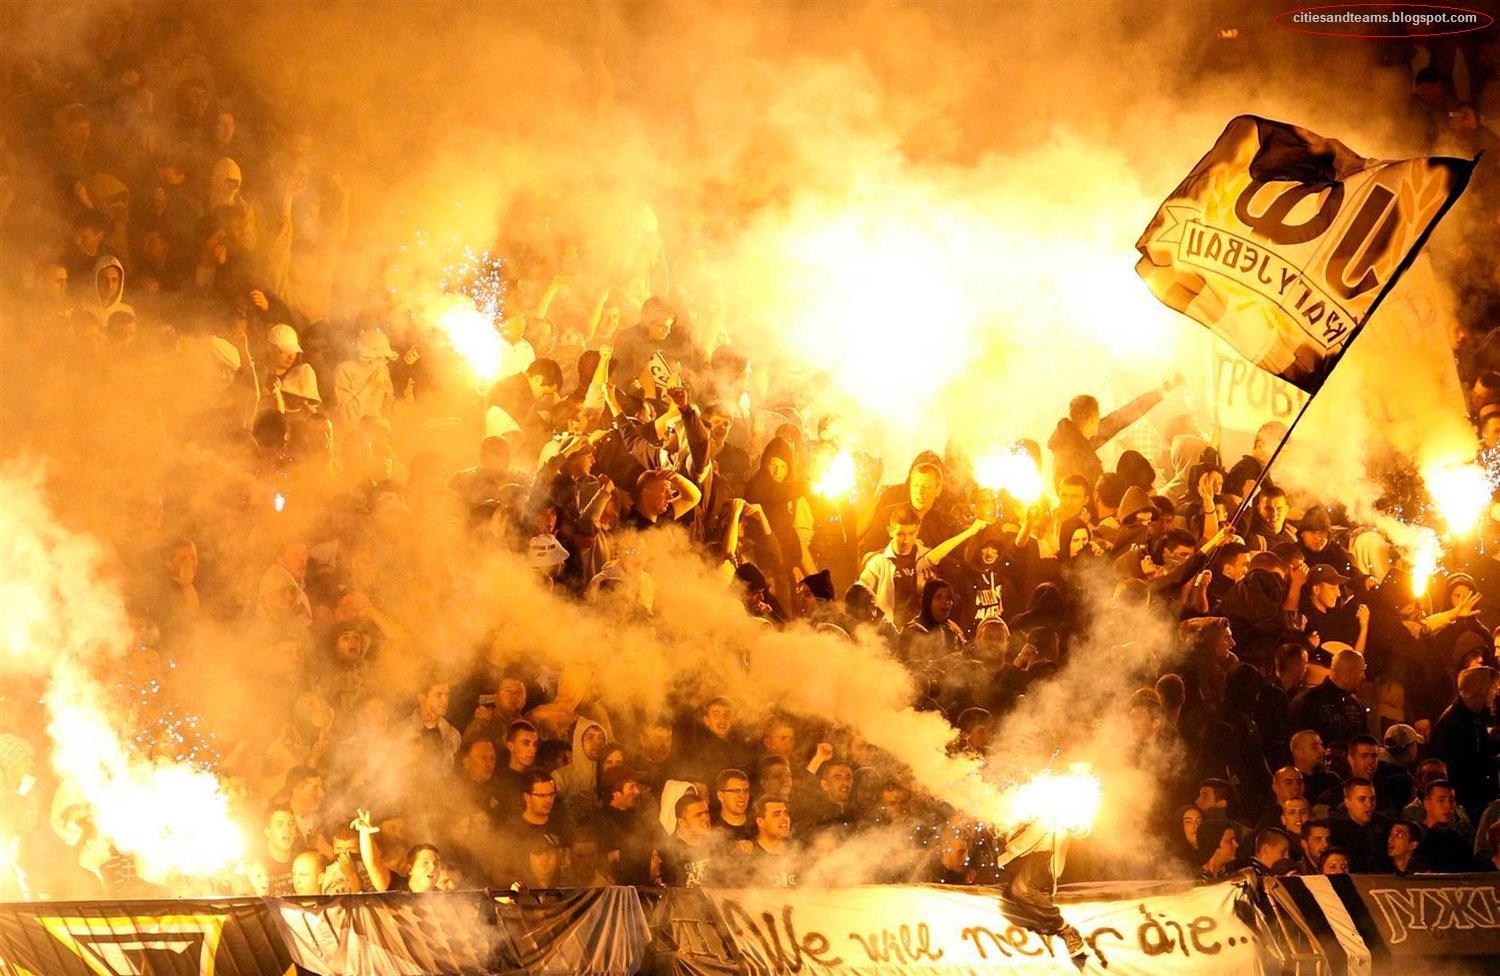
1283	242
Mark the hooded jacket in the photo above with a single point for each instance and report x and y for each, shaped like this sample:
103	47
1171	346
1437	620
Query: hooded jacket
790	521
554	718
362	388
580	778
671	791
937	526
108	304
1253	607
925	638
1186	452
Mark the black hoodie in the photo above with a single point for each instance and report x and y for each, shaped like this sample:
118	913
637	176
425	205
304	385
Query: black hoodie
1253	606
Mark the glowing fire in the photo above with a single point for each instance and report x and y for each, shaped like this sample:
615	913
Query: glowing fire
472	335
1425	553
63	618
1059	802
172	816
1460	490
1012	471
838	479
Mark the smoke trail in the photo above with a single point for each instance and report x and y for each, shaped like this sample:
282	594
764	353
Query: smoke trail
65	621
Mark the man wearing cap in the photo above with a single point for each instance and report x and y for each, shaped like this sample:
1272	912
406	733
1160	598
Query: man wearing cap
1461	739
1330	709
362	386
1400	749
1315	538
282	349
816	601
1329	620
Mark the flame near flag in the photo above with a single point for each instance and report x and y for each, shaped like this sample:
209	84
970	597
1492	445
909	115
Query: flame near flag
1460	491
1061	803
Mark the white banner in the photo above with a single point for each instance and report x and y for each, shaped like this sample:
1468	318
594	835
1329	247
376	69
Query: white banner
935	931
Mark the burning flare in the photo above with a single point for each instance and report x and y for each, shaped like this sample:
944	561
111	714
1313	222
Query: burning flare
1426	550
1460	490
1059	802
838	478
1012	471
66	620
473	335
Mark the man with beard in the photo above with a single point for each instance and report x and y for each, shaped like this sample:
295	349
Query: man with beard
772	861
833	810
625	835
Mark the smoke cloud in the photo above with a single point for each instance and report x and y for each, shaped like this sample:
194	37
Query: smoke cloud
919	217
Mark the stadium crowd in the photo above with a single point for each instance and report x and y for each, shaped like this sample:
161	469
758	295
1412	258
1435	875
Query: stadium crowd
172	252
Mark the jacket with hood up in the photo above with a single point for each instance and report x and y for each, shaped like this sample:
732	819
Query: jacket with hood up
578	781
114	301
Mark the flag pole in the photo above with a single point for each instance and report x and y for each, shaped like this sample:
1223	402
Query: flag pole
1461	184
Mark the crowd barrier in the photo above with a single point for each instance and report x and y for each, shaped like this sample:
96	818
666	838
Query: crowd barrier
1365	925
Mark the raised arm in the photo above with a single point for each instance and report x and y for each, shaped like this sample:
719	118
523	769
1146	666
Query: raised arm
943	549
369	852
688	495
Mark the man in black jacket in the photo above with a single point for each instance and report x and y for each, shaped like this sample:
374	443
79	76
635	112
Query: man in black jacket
1359	829
1331	708
1077	438
1461	739
1256	607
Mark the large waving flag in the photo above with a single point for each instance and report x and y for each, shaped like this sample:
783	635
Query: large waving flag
1283	242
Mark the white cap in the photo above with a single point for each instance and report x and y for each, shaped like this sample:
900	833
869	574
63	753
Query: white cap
372	344
300	381
284	338
545	552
